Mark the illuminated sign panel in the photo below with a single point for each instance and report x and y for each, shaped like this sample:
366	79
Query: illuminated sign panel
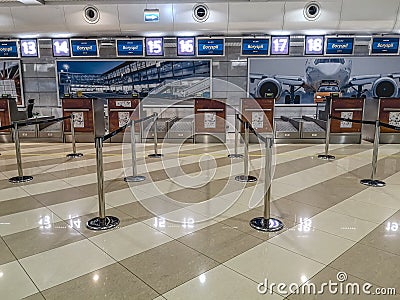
29	48
314	45
336	45
130	47
186	46
210	47
385	45
60	47
84	48
9	49
255	46
155	46
151	15
280	45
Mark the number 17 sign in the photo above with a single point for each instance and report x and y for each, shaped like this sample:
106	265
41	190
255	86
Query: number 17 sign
280	45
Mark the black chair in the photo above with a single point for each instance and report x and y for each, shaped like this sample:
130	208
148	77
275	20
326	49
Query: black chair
29	108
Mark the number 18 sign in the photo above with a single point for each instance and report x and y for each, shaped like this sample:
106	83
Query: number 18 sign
280	45
314	45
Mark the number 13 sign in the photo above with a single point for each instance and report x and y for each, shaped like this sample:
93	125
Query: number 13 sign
280	45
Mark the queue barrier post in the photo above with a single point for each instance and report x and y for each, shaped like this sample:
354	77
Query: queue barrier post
155	154
21	177
327	156
372	181
266	223
102	222
134	177
73	154
237	125
246	177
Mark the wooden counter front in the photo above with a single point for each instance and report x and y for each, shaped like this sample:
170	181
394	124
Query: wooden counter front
121	110
5	118
389	112
349	108
259	113
83	110
210	115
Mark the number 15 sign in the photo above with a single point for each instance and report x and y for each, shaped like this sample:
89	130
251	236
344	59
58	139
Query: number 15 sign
280	45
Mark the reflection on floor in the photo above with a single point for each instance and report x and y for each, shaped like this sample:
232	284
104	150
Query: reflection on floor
184	231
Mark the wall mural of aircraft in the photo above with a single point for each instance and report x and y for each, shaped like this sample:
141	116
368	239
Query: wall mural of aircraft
324	76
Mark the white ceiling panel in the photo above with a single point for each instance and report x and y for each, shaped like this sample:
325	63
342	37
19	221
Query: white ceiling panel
368	16
257	17
6	21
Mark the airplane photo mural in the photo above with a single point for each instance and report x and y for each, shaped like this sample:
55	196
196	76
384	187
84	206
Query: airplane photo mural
302	80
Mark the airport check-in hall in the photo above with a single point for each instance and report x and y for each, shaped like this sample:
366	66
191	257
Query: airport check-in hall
200	150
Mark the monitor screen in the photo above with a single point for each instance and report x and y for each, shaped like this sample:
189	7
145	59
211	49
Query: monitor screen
385	45
186	46
339	45
61	47
155	46
9	49
314	45
84	48
130	47
29	48
255	46
280	45
210	47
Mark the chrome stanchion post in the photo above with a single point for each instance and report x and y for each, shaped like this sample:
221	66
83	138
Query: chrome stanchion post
327	156
237	125
134	177
73	154
20	178
374	182
155	154
102	222
266	223
246	177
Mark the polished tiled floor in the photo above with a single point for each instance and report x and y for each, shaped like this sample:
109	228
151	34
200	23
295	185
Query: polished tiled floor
184	231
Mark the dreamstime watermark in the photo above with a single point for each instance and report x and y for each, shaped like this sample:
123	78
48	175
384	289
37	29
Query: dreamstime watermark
339	287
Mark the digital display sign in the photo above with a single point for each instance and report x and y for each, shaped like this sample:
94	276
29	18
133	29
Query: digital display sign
280	45
84	48
60	47
8	49
335	45
210	47
29	48
255	46
155	46
314	45
130	47
186	46
385	45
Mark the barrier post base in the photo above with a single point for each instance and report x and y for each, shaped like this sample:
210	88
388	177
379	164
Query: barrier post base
372	182
102	224
19	179
245	178
268	225
137	178
326	156
74	155
235	156
155	155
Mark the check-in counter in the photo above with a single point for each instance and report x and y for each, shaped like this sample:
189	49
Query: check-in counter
210	120
120	112
259	112
82	109
5	119
343	132
387	110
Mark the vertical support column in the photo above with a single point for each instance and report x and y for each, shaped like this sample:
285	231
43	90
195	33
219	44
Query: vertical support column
20	178
155	154
237	125
134	177
246	177
372	181
327	156
102	222
73	154
266	223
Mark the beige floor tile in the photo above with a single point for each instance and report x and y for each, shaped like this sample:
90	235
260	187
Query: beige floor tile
341	225
5	254
168	266
12	192
219	283
37	240
370	264
51	186
111	282
220	241
130	240
37	296
61	196
313	244
14	282
62	264
278	265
